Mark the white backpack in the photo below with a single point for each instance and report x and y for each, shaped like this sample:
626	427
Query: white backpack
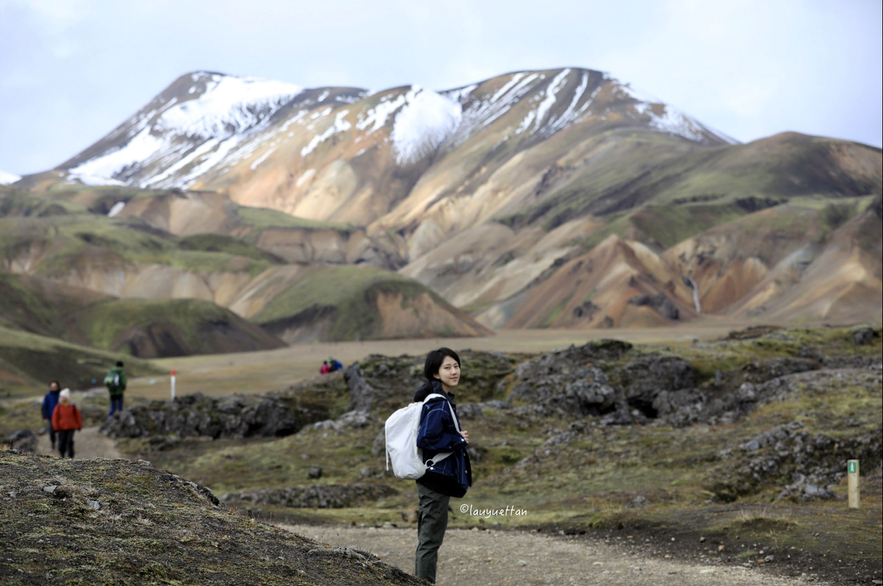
401	440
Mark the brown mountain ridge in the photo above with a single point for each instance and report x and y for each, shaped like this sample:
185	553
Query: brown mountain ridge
560	198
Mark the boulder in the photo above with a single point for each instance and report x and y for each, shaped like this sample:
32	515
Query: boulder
233	416
569	381
23	440
646	377
788	455
862	336
322	496
361	393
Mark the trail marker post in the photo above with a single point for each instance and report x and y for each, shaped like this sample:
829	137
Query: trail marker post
173	384
852	477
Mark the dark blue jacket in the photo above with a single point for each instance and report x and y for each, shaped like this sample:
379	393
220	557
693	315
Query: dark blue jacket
49	403
438	433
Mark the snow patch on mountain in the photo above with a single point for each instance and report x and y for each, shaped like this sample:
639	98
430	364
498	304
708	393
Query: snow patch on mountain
138	151
536	117
573	115
8	178
376	117
261	159
340	125
308	174
671	120
228	109
116	209
484	112
92	180
221	149
354	98
460	94
551	92
227	106
426	120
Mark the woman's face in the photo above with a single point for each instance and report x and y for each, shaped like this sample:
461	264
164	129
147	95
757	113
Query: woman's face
449	372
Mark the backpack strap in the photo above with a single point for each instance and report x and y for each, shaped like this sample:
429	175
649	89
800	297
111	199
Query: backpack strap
450	407
441	455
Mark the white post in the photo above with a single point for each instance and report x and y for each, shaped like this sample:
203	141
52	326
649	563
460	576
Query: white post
852	476
173	384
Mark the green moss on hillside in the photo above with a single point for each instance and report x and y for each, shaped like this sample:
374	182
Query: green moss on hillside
106	324
22	308
726	181
346	293
225	244
262	218
66	243
38	359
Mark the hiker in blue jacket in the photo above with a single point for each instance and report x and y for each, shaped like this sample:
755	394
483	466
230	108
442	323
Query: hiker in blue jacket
49	403
451	477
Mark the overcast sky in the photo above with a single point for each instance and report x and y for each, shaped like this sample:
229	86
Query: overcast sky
71	70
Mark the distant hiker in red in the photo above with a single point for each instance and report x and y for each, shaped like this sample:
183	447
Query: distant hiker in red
326	368
66	419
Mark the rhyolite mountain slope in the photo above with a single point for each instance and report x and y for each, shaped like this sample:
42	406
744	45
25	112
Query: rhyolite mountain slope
140	327
76	265
490	194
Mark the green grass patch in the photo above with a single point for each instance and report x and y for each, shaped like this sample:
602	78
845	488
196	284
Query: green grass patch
104	323
348	293
38	359
214	243
262	218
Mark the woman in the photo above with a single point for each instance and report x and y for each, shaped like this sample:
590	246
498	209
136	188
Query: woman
66	420
451	477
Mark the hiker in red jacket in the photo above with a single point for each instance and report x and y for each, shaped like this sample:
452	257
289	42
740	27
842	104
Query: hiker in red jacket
66	419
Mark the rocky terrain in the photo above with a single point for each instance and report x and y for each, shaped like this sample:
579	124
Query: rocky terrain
735	447
121	522
742	440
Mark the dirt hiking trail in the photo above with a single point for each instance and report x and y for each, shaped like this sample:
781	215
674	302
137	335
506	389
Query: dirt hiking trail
515	558
88	443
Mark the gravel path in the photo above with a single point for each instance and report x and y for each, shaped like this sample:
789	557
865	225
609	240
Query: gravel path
502	558
88	444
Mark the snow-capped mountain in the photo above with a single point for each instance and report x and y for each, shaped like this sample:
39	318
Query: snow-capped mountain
534	198
8	178
210	130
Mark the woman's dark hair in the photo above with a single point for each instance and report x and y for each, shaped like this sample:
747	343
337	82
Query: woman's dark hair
434	361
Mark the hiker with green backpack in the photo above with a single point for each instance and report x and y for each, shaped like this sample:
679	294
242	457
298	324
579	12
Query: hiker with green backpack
115	381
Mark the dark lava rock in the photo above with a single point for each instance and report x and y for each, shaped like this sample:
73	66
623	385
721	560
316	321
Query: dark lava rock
570	380
645	378
323	496
863	336
23	440
788	455
659	302
361	393
232	416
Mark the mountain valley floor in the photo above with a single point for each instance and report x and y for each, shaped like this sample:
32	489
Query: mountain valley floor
256	372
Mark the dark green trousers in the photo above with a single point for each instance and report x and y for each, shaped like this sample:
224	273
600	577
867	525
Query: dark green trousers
432	520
